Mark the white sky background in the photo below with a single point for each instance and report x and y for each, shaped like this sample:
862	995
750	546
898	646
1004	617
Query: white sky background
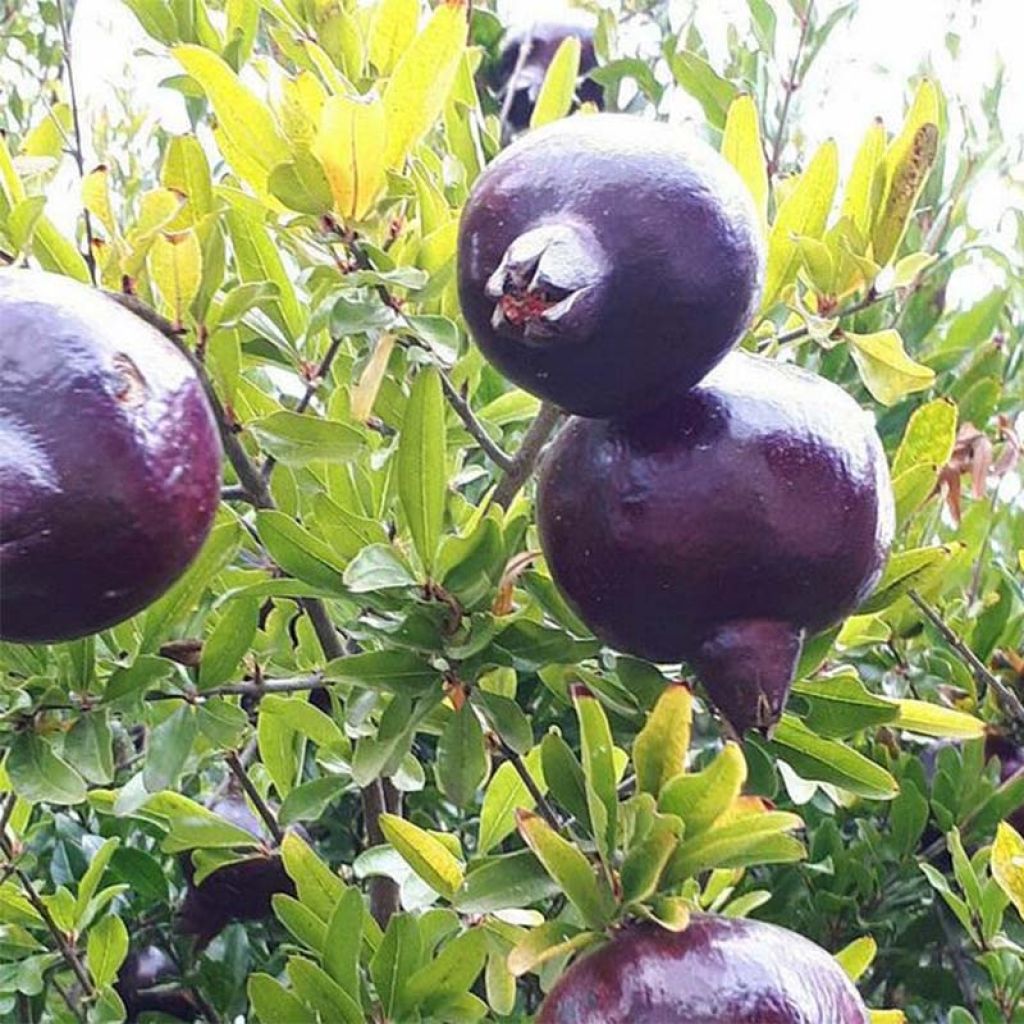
864	72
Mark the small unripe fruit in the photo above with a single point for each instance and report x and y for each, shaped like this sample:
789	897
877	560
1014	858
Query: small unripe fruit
717	970
605	260
721	527
109	460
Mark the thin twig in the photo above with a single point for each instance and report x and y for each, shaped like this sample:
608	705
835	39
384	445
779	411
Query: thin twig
790	87
956	955
525	458
72	1005
90	258
1007	698
510	86
473	426
547	812
268	816
235	494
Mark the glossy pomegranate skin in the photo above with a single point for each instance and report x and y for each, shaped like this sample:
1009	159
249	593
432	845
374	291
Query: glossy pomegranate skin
625	253
544	39
109	460
146	984
718	970
721	526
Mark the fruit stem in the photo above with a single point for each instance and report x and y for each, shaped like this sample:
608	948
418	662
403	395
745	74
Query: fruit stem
522	464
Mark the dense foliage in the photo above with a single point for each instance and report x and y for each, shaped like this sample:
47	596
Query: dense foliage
370	646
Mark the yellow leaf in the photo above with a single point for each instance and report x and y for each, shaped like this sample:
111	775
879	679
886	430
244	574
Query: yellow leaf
349	145
364	394
50	136
157	209
391	31
804	213
96	198
424	853
659	751
187	170
855	958
298	106
559	86
932	720
887	1017
246	132
1007	860
417	91
886	369
741	146
864	190
176	267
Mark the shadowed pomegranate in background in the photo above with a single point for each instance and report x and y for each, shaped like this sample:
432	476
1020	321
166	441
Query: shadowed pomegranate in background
718	970
149	982
604	261
543	39
721	526
241	891
109	460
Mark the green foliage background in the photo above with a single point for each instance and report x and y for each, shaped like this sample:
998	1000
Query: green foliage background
301	244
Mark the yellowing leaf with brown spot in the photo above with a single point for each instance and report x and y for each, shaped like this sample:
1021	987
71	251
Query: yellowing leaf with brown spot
885	368
1007	860
176	267
298	105
350	145
424	76
741	146
391	30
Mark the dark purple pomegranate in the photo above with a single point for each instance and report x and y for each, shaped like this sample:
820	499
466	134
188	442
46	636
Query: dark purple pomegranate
605	260
241	891
721	526
109	460
1011	762
718	970
149	982
543	39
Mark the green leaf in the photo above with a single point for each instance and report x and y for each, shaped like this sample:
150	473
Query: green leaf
742	147
137	677
423	77
191	825
572	871
319	888
322	994
802	214
856	957
279	751
90	881
546	942
298	440
38	775
298	552
713	92
398	956
306	928
840	705
246	133
500	883
659	751
824	760
506	793
506	718
421	464
157	19
559	86
462	762
645	862
928	438
304	718
309	801
885	368
425	854
400	672
274	1004
598	769
186	170
343	942
89	746
565	777
377	567
228	642
908	570
864	189
451	973
106	949
932	720
169	746
701	798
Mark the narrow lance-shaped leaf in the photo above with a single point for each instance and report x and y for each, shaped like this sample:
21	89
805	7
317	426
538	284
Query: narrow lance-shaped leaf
391	31
599	773
864	189
348	145
424	853
659	751
421	464
741	146
176	267
701	798
1007	861
559	87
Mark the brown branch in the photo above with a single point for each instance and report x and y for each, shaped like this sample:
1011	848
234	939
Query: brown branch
384	894
790	87
89	256
526	457
473	426
1009	701
268	816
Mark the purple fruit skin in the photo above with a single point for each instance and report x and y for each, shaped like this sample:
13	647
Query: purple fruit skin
1011	763
720	526
545	38
109	460
137	983
667	241
719	969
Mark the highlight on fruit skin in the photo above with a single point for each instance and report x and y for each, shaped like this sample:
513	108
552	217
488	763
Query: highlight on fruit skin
721	527
524	76
717	969
149	981
109	460
604	260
